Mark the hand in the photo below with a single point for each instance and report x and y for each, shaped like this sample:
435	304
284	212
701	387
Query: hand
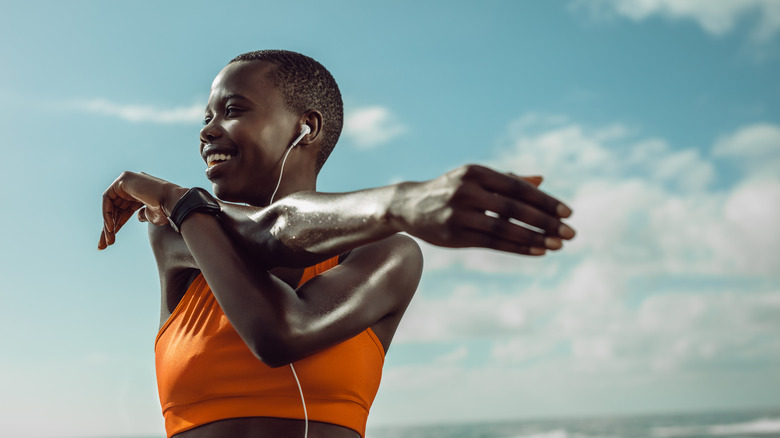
133	191
474	206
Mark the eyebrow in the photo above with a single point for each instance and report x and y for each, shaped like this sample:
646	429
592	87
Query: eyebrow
236	96
231	96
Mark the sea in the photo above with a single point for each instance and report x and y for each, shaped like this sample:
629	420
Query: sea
743	424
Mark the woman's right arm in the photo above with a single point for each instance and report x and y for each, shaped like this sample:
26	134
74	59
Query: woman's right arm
450	211
307	227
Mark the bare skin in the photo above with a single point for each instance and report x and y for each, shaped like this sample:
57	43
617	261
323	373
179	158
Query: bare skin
252	256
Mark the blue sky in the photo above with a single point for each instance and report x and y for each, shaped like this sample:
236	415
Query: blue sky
657	120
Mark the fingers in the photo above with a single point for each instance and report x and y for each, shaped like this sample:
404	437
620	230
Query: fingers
520	189
117	210
478	200
483	240
102	241
487	231
505	212
507	208
106	238
108	210
107	235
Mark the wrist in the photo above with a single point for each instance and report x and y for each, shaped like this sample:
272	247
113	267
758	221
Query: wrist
394	216
194	200
173	193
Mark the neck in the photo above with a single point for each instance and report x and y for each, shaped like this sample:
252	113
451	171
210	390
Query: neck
293	179
295	185
297	172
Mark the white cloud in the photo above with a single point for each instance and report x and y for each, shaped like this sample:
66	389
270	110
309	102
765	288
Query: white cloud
645	213
717	17
371	126
756	147
589	314
759	140
673	331
142	113
521	349
454	356
589	317
476	310
514	385
467	312
671	348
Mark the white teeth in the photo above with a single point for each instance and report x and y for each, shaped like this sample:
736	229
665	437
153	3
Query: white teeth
211	159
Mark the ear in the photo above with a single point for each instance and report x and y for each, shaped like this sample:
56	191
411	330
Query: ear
313	119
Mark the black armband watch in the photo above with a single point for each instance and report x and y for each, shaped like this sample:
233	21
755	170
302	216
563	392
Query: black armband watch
195	200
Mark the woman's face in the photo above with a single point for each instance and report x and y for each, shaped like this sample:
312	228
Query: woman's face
247	130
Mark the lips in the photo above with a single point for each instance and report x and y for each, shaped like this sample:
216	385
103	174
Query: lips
217	157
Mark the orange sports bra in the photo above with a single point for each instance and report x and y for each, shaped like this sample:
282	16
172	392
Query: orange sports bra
206	373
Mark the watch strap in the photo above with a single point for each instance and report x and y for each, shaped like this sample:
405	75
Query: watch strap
195	200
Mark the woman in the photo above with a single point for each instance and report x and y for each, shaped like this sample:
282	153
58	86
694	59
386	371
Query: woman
276	315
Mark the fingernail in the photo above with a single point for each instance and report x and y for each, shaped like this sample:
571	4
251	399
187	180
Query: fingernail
563	211
565	231
537	251
553	242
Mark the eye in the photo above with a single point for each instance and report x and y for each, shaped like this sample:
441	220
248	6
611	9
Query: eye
232	111
207	119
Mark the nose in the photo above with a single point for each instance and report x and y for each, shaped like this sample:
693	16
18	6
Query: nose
210	132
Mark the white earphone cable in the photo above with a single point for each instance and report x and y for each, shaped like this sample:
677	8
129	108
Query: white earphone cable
304	130
303	401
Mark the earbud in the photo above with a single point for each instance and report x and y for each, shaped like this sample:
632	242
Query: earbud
304	130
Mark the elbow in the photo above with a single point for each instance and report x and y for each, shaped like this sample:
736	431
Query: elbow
275	348
272	353
274	359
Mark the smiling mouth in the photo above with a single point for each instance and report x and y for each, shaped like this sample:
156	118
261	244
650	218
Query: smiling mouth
214	159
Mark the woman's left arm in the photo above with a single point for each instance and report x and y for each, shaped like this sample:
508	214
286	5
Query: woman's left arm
278	324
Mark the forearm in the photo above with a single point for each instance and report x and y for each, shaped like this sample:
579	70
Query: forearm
307	227
256	303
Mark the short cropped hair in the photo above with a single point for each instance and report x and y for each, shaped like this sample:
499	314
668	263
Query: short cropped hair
305	85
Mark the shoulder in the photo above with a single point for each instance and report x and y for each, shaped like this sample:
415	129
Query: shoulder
169	249
393	263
